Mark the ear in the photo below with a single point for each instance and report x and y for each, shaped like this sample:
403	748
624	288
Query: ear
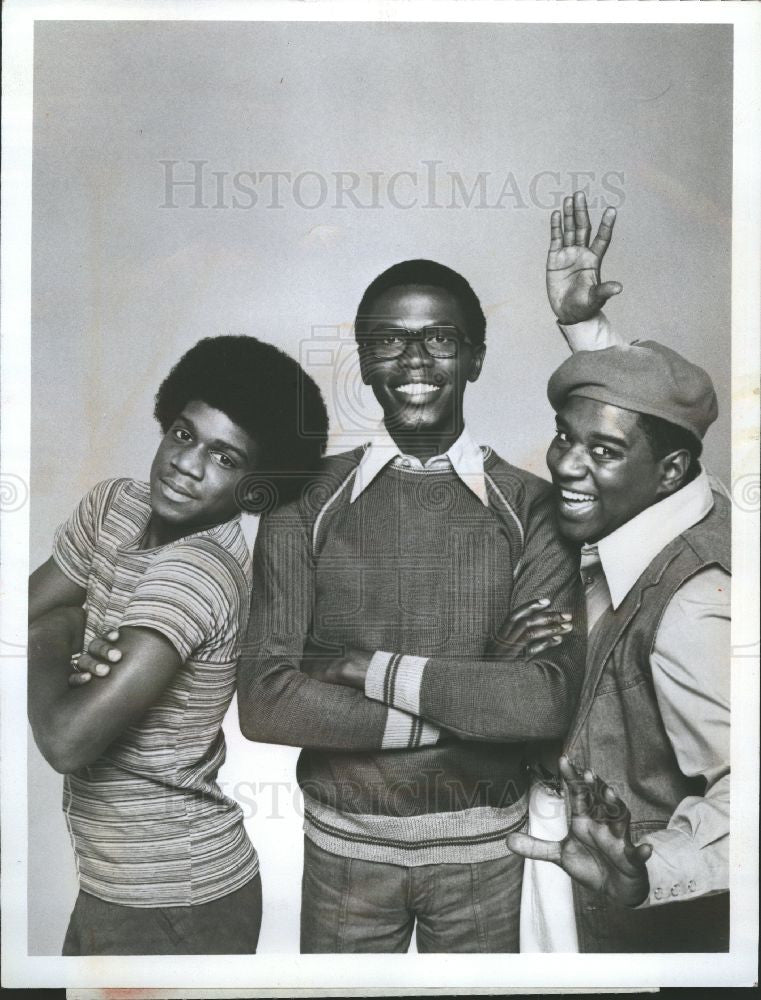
477	363
674	469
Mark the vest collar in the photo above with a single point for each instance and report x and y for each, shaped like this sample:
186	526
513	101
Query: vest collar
629	550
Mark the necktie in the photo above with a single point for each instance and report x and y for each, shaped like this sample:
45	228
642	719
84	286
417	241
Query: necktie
596	590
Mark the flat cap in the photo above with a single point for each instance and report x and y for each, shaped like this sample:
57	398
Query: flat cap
644	376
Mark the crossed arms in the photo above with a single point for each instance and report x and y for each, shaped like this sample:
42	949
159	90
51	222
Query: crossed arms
518	698
74	725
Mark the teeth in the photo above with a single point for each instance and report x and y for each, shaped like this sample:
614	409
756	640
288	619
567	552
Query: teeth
417	388
578	497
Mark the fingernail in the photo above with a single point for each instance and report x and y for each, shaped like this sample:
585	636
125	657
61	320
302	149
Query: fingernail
101	669
557	640
566	617
544	601
566	628
112	636
114	655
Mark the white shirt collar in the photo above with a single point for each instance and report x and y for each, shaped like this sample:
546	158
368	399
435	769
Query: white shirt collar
626	552
464	456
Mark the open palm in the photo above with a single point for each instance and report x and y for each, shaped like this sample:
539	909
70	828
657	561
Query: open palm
598	851
573	265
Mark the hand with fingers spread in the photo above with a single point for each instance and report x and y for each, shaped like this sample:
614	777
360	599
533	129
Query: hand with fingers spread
531	629
598	851
573	266
97	661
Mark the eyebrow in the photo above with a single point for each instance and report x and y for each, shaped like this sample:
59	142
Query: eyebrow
611	439
218	444
405	328
605	438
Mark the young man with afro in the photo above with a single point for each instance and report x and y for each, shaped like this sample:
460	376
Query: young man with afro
164	863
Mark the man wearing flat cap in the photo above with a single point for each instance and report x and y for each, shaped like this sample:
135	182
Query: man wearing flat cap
649	875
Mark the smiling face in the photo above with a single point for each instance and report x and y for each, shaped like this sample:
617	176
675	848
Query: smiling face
604	469
419	393
199	464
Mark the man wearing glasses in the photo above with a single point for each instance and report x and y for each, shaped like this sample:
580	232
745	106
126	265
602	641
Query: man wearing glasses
392	582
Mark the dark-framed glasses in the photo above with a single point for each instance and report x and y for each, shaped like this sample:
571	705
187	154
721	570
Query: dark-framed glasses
387	343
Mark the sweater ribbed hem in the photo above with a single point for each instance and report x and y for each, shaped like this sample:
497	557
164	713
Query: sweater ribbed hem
463	837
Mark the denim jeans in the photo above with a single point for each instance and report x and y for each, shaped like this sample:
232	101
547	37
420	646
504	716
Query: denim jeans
368	906
226	926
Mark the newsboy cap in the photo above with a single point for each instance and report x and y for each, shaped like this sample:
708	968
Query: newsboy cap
644	376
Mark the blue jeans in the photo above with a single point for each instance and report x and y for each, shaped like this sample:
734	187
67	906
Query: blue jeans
225	926
367	906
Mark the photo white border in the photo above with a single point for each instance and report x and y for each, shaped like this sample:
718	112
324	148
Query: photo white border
387	973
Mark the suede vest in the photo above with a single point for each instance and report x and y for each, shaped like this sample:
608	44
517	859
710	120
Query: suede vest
619	733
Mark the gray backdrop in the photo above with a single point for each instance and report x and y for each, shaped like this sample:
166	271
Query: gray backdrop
393	141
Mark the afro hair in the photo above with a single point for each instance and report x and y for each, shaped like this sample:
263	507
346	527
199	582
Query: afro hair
268	395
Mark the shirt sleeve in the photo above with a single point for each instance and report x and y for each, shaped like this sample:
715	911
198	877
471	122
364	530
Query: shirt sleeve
74	542
593	334
190	594
506	698
278	703
690	665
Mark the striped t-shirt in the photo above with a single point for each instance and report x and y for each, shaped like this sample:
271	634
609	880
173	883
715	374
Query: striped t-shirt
149	824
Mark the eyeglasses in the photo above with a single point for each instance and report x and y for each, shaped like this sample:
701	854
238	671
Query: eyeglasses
391	342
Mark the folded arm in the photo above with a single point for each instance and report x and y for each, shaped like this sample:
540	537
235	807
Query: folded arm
511	696
49	588
74	726
277	702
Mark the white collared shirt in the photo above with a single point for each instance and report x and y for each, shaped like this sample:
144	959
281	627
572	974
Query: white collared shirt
626	552
464	457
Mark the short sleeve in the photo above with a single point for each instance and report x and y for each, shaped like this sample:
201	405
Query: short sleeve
191	594
74	542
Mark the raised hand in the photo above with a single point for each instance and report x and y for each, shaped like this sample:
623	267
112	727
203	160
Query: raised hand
573	266
598	851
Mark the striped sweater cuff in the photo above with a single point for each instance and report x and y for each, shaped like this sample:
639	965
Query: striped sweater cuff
406	732
395	680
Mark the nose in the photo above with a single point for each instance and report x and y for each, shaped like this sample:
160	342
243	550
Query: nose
189	462
415	354
568	464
